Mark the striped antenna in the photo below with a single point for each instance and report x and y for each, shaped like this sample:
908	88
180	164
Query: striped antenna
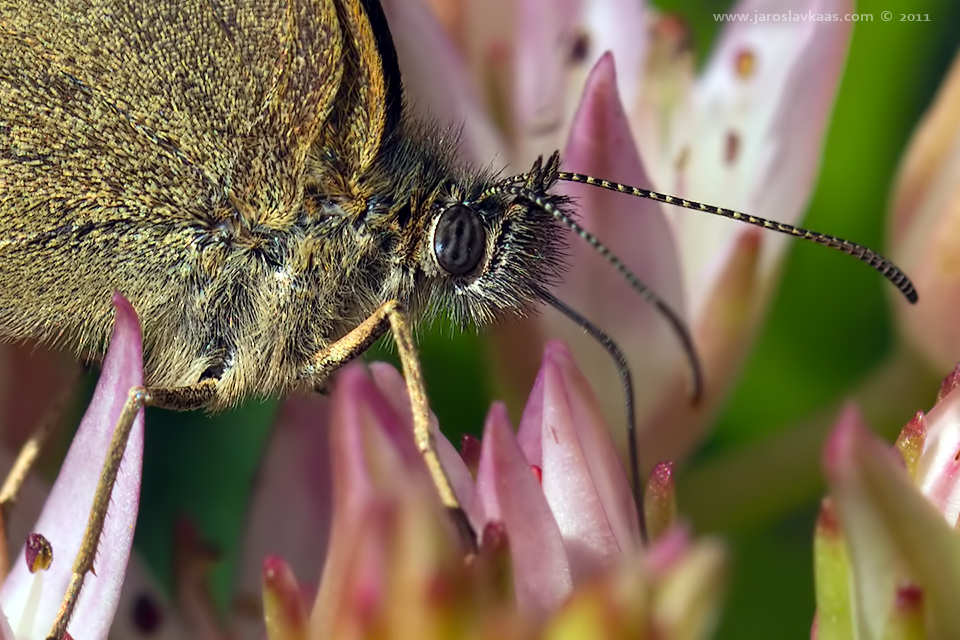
889	270
626	381
676	322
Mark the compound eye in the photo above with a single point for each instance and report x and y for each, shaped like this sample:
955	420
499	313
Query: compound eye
459	240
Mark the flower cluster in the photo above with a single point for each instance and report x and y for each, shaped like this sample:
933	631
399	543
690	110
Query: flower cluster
887	552
558	546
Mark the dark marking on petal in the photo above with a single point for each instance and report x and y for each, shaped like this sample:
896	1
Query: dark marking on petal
579	48
732	147
745	63
683	158
147	614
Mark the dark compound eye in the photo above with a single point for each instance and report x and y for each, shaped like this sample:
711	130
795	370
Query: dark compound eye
459	240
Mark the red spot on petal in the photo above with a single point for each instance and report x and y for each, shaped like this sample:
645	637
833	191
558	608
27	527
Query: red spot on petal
366	598
494	535
537	473
579	47
439	589
827	523
949	383
683	158
745	63
470	452
673	31
732	147
909	596
498	53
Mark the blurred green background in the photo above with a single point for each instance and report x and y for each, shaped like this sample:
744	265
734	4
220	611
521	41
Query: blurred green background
756	481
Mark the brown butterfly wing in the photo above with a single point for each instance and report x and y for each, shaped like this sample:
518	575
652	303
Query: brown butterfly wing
372	100
130	130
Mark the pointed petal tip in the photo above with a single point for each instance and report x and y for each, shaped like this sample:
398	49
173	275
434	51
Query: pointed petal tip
283	609
827	523
555	349
659	500
120	302
605	69
949	384
470	448
67	508
910	442
498	417
507	492
276	571
493	536
661	476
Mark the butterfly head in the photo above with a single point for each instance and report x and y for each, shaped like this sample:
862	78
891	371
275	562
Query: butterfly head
487	247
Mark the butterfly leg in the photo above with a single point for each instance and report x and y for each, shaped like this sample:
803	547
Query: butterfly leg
392	315
176	398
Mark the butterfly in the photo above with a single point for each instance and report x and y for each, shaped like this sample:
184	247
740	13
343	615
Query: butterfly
247	175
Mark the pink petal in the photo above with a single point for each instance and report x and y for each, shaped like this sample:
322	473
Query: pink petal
938	471
665	553
927	162
633	229
291	510
557	44
542	44
583	479
372	458
803	76
145	610
507	492
754	133
6	633
618	27
890	529
394	389
437	80
600	144
925	227
674	425
65	514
